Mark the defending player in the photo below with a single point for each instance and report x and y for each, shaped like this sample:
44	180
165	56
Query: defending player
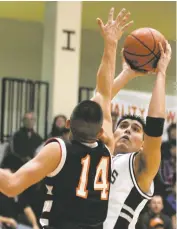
77	174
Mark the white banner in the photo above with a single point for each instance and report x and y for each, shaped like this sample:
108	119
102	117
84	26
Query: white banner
133	102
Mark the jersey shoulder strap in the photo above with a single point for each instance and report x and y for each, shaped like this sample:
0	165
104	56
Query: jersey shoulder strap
63	149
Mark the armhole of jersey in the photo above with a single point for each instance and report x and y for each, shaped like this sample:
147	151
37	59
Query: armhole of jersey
148	195
63	157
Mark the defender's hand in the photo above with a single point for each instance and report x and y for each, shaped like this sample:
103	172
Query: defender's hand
113	29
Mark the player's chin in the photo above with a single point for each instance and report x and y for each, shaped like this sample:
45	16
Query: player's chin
122	147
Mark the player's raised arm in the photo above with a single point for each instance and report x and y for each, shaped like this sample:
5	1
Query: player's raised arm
111	32
11	184
151	154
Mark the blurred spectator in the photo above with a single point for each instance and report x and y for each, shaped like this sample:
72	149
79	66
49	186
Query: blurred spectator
59	123
58	130
156	223
26	140
159	186
6	222
174	221
62	133
10	208
155	211
168	166
165	149
34	194
12	162
170	203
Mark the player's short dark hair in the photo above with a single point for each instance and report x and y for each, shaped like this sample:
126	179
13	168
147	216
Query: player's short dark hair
132	117
86	121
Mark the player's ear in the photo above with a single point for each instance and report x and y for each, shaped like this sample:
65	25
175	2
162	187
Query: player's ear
67	125
100	133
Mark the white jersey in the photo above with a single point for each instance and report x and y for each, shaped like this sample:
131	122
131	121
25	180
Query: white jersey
126	200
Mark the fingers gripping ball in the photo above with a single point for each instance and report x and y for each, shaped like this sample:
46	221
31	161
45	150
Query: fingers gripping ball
141	49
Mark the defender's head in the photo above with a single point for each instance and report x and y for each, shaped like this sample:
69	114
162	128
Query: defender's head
129	134
86	121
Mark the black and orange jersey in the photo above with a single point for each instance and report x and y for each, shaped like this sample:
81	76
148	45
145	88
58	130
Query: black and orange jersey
77	191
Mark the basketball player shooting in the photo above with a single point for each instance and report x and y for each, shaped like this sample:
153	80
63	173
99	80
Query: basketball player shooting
137	153
77	174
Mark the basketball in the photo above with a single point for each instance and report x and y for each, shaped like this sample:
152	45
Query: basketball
141	49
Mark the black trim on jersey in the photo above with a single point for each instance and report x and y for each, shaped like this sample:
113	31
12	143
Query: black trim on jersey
45	215
121	223
50	140
133	200
48	197
49	181
127	213
133	177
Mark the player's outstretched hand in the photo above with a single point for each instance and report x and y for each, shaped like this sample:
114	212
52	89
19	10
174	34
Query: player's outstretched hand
165	58
113	29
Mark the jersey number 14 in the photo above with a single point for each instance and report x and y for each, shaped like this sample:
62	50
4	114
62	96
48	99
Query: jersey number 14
101	178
